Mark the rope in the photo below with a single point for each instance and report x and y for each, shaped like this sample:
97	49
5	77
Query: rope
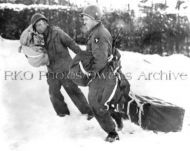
83	70
128	109
134	98
115	72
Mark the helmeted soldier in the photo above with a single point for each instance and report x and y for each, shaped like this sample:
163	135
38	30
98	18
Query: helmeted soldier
102	81
57	43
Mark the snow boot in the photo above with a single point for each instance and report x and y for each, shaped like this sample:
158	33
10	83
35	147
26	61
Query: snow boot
112	136
64	114
89	116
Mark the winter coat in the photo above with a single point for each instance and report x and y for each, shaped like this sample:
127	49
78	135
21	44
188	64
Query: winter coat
100	45
57	43
94	59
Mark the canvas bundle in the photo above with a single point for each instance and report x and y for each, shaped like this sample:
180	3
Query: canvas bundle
154	114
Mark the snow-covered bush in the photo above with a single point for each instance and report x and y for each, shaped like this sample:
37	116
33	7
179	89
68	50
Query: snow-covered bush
153	33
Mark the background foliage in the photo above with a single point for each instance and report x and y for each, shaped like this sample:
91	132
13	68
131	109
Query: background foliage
155	32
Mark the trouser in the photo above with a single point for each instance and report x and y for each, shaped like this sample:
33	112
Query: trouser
72	90
108	98
100	91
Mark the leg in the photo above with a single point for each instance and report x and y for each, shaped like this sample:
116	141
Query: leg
98	95
77	96
116	107
118	119
100	112
56	97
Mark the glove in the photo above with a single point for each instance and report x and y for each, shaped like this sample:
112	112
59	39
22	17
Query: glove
86	59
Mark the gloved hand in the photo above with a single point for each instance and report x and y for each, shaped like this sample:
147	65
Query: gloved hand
85	58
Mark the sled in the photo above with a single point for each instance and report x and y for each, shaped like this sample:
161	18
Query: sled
154	114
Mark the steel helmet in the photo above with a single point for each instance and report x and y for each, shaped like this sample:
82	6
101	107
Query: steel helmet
93	12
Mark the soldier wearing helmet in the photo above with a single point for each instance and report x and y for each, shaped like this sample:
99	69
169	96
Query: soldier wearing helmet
57	43
103	85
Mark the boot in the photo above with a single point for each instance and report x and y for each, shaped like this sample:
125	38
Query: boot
66	112
112	136
63	114
89	116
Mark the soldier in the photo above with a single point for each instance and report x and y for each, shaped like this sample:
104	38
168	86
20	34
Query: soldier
57	43
103	83
32	45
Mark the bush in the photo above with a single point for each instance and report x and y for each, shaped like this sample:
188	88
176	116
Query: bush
154	33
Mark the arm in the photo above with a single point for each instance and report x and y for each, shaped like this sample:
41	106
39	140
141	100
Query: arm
83	56
69	42
100	48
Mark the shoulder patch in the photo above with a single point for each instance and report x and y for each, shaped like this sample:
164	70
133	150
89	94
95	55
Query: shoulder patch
96	40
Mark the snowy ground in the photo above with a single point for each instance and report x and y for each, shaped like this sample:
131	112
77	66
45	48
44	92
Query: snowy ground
28	121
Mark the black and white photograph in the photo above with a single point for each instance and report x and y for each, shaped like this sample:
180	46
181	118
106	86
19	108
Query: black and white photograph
89	75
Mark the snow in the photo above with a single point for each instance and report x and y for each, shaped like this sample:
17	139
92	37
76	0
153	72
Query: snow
28	121
19	7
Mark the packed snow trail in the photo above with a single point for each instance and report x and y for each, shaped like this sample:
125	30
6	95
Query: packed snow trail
28	121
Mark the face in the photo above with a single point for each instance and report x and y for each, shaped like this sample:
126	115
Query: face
41	26
88	23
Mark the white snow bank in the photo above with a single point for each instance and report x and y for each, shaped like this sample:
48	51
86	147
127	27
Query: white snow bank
28	121
19	7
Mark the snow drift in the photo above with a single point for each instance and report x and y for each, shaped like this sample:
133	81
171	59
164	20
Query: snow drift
28	121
